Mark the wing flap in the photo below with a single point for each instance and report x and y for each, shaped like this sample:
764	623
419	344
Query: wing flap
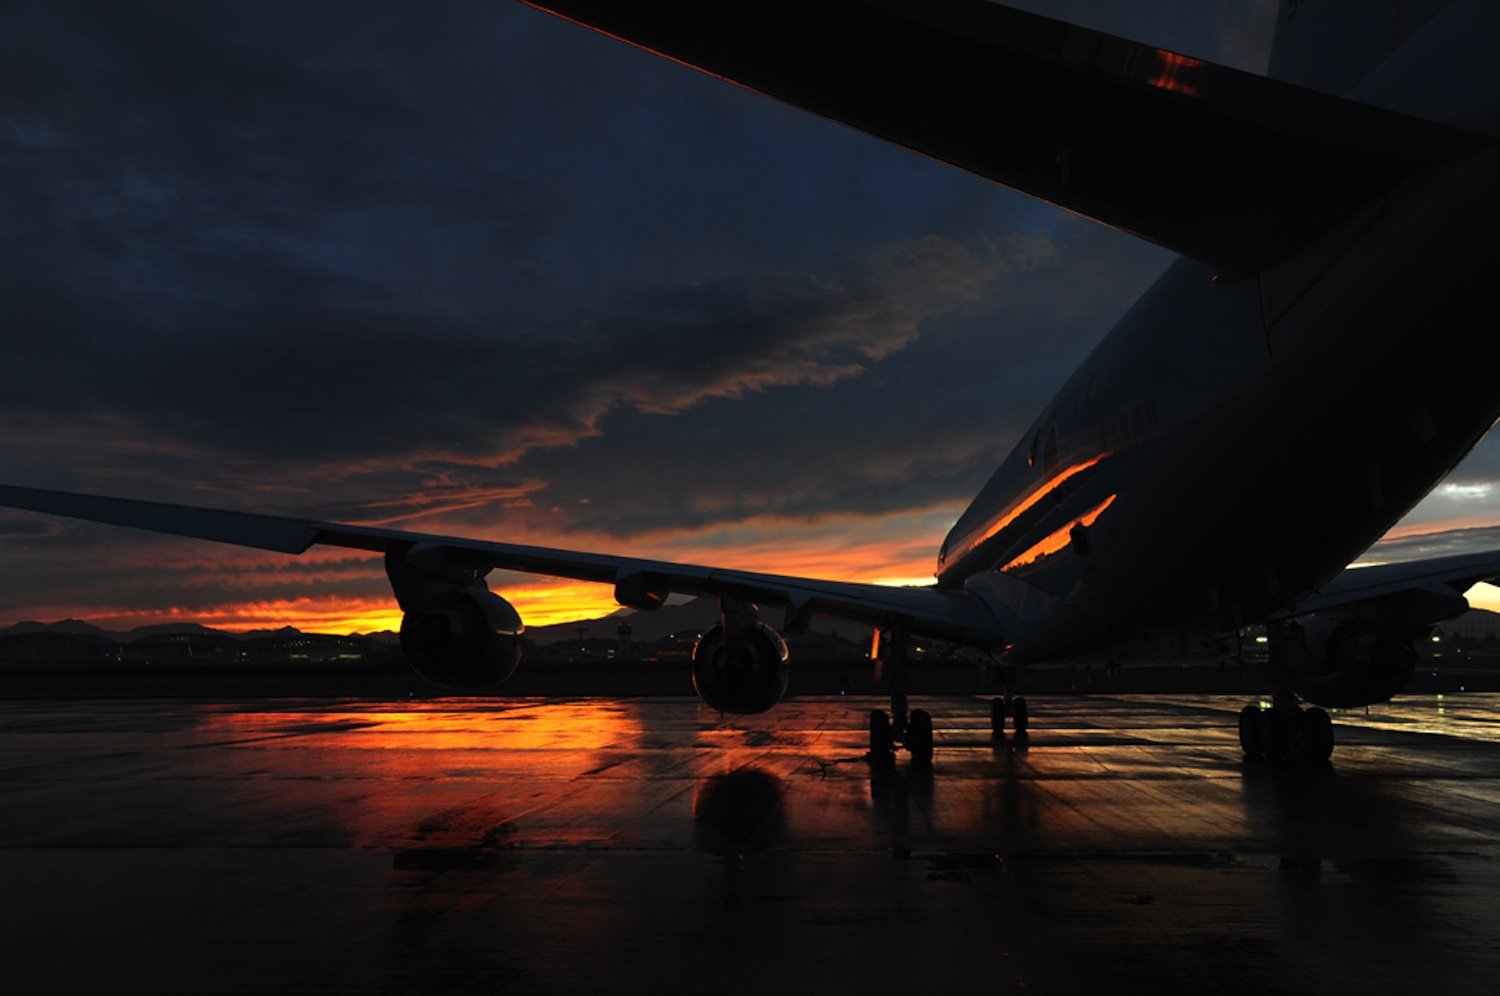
1218	164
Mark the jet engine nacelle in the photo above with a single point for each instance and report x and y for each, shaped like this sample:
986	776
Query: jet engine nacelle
1340	664
472	641
746	675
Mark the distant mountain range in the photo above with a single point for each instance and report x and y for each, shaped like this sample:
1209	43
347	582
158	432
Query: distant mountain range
689	618
78	626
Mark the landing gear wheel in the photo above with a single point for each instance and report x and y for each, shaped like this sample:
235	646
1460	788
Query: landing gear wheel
1020	716
881	740
997	718
1281	735
1252	733
1317	735
919	736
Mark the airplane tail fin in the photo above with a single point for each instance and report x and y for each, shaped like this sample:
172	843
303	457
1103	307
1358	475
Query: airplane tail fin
1227	167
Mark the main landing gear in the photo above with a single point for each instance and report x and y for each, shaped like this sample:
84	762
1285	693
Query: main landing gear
899	728
1012	707
1286	732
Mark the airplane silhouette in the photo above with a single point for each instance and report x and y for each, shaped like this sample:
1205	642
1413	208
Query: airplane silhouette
1275	402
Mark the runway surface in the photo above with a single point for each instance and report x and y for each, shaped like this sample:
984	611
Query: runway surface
543	846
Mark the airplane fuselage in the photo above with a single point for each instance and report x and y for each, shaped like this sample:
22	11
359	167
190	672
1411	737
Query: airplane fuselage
1233	444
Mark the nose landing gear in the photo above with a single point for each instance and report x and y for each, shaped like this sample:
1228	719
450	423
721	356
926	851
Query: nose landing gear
1013	707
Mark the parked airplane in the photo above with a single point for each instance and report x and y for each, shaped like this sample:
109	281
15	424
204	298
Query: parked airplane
1315	362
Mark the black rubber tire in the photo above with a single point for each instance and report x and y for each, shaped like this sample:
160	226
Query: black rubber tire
882	742
997	717
1253	732
919	736
1020	715
1317	735
1281	735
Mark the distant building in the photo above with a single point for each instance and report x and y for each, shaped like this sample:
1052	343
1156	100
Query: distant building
47	647
1475	625
308	648
184	648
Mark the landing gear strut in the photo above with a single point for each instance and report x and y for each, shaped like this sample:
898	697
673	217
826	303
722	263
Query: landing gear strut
1285	732
1015	708
886	735
899	728
1012	707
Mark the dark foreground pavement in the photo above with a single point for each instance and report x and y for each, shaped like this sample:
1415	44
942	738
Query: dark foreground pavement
646	845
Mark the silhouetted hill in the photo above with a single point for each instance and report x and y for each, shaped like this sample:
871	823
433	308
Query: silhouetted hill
1474	624
690	618
65	626
75	626
160	629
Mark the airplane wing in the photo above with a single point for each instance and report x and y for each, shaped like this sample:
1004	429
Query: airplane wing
642	584
1221	165
1420	591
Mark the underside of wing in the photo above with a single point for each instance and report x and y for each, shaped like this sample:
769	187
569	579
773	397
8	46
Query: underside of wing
1217	164
1420	592
420	564
1357	641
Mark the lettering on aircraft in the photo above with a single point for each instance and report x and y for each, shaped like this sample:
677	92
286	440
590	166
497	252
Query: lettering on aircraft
1129	425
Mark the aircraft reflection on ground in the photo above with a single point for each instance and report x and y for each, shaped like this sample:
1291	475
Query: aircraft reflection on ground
739	811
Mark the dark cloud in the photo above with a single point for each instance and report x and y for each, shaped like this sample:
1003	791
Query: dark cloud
289	235
15	528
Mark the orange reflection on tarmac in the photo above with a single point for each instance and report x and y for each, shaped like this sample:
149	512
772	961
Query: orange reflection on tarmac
467	773
530	725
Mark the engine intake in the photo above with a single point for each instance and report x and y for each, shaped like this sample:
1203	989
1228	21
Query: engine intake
1342	664
471	642
746	675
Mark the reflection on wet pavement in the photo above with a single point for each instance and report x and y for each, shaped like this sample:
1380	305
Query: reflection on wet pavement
547	846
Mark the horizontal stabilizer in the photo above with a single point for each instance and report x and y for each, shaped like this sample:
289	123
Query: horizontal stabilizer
1218	164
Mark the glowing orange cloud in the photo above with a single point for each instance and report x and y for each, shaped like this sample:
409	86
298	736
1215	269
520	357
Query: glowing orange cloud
313	614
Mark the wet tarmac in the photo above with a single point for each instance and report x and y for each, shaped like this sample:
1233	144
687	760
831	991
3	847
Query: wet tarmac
647	845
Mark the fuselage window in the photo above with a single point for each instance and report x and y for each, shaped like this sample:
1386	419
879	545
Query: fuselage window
1049	451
